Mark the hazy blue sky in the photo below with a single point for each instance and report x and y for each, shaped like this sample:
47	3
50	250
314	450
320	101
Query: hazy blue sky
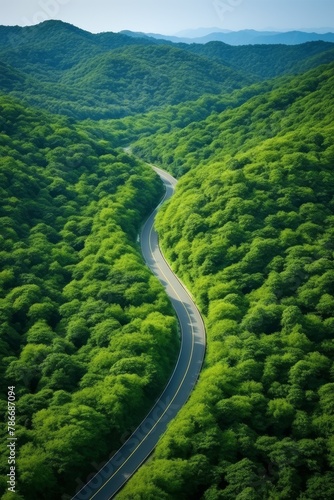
171	16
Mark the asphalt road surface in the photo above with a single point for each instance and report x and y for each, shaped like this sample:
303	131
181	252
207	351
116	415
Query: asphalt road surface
114	474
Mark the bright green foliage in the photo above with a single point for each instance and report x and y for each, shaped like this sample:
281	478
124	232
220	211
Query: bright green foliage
268	61
269	113
81	75
87	335
65	70
250	231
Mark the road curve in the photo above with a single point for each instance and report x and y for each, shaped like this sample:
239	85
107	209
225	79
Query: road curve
114	474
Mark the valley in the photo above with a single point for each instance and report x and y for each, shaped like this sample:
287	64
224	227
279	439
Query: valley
89	336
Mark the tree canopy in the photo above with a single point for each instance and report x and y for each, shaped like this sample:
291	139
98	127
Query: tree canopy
87	334
250	231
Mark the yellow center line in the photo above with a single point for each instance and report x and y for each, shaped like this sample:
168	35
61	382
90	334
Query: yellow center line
180	384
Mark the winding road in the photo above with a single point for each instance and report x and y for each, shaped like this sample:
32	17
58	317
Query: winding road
114	474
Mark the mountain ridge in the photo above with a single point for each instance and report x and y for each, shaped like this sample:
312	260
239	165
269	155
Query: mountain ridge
87	335
244	37
57	66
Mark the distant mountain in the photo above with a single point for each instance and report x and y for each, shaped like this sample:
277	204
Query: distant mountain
154	36
54	46
319	30
295	37
186	36
136	34
246	37
267	61
66	70
199	32
69	71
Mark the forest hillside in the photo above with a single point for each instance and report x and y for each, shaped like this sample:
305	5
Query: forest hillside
66	70
88	336
250	231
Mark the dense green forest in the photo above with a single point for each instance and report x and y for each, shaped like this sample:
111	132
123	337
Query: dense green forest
240	121
77	74
250	231
66	70
88	336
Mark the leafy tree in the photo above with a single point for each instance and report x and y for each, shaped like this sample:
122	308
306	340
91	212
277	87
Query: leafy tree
69	248
249	231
